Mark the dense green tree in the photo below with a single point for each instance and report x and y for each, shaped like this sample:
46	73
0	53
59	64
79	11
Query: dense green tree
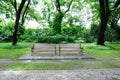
59	16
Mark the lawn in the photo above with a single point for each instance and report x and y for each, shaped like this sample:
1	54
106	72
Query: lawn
107	52
61	65
7	51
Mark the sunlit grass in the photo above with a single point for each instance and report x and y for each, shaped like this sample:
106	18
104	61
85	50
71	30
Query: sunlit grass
7	51
107	51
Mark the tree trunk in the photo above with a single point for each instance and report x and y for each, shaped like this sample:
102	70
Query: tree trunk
15	39
18	13
102	30
104	14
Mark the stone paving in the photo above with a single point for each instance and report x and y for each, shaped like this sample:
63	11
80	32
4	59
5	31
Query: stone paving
90	74
55	57
81	74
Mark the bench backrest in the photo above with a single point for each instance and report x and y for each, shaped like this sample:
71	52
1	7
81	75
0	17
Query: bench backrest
69	47
45	47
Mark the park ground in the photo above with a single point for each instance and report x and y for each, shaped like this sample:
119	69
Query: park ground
105	66
107	56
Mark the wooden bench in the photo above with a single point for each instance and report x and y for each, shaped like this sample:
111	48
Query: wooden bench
70	48
43	48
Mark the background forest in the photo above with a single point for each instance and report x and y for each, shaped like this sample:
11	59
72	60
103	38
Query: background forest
59	21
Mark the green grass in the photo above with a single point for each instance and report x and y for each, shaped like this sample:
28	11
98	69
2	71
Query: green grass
61	66
7	51
107	51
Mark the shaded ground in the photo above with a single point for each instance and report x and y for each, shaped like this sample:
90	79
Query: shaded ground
90	74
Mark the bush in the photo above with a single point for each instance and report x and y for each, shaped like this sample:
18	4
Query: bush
7	31
87	37
31	35
73	31
55	39
110	35
94	30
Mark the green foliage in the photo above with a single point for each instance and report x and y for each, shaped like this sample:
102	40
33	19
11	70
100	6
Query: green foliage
73	31
55	39
8	31
30	35
87	36
110	35
94	30
46	35
57	23
21	30
8	28
1	24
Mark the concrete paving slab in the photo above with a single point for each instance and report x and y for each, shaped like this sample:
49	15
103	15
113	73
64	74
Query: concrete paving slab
55	57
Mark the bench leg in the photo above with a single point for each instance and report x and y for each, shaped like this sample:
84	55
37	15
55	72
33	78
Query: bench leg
80	53
55	52
59	52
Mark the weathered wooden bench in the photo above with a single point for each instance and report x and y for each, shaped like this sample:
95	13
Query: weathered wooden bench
70	48
43	48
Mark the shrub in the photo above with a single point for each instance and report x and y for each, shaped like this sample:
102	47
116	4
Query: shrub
7	31
87	37
73	31
110	35
55	39
94	30
31	35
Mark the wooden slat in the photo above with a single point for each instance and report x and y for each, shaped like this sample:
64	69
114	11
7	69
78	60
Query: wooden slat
70	48
44	48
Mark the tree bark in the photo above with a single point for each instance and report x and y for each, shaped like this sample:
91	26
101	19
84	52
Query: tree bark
18	13
104	13
104	16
